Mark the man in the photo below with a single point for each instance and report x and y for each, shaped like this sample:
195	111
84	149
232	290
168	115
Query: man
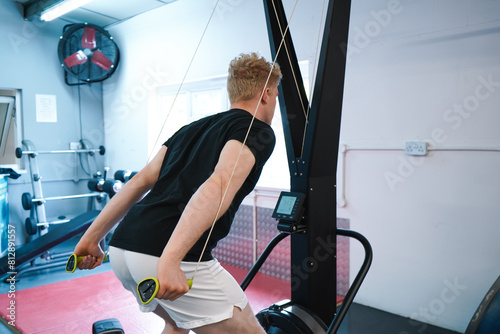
200	175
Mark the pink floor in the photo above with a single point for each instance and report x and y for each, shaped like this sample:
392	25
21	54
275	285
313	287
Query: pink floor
74	305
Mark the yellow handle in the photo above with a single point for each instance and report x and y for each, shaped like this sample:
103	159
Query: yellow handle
74	260
148	288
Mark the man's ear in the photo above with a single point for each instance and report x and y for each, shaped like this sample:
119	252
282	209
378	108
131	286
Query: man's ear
265	96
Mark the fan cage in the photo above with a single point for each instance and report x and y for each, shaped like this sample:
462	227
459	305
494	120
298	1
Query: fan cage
70	43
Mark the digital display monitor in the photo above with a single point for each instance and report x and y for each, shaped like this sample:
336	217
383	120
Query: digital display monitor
289	206
285	206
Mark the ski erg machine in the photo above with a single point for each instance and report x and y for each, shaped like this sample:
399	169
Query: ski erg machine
308	212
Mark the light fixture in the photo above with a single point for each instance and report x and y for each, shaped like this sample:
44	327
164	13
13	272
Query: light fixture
61	8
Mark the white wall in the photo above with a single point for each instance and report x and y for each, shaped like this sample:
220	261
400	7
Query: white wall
157	49
431	221
424	71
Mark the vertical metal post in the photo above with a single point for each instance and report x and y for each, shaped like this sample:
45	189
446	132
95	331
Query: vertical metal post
255	241
36	182
313	166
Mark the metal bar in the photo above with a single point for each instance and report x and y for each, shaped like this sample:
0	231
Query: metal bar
262	258
334	326
40	267
53	257
36	182
55	222
93	150
54	198
255	243
292	98
45	181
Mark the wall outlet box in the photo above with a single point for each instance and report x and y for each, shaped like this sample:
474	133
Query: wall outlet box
416	148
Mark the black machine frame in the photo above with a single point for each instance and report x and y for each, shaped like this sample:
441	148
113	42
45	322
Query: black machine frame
311	138
312	147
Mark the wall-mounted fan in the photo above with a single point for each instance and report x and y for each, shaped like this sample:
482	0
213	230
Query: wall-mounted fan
87	52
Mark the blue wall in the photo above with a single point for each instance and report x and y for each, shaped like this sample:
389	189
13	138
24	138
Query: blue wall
29	62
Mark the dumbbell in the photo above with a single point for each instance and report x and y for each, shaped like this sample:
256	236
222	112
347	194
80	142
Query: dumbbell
148	288
124	175
19	151
110	187
96	184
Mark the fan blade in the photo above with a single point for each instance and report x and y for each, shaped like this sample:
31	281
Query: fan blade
101	60
76	58
88	38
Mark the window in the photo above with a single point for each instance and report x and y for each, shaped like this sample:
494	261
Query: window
10	128
173	107
6	112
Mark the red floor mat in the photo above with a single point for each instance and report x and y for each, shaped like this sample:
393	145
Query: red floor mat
73	306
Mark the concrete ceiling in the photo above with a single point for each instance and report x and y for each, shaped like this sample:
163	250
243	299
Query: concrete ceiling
99	12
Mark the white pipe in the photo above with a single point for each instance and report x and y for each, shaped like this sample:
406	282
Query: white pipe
343	149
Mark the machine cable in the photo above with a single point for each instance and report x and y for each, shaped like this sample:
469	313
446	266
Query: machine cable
183	80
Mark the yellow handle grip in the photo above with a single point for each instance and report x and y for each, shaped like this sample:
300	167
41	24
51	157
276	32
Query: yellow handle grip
73	262
148	288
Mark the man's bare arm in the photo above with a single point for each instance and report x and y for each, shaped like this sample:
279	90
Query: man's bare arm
115	210
199	214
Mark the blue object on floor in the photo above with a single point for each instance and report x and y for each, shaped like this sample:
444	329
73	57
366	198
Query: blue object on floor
108	326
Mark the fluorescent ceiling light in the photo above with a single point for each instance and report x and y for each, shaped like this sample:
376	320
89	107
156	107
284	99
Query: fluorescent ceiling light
61	8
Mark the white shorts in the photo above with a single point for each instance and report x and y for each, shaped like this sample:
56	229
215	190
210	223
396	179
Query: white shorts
211	299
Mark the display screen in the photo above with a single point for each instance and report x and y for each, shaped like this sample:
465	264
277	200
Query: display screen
285	206
289	207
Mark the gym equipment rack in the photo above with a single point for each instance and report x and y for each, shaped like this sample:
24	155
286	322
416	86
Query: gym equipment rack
37	223
36	203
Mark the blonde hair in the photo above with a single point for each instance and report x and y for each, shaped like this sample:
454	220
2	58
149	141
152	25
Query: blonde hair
247	76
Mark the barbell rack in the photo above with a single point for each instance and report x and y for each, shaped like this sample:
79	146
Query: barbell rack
19	151
37	216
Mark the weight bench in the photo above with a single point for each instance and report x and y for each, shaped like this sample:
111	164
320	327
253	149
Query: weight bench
42	244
